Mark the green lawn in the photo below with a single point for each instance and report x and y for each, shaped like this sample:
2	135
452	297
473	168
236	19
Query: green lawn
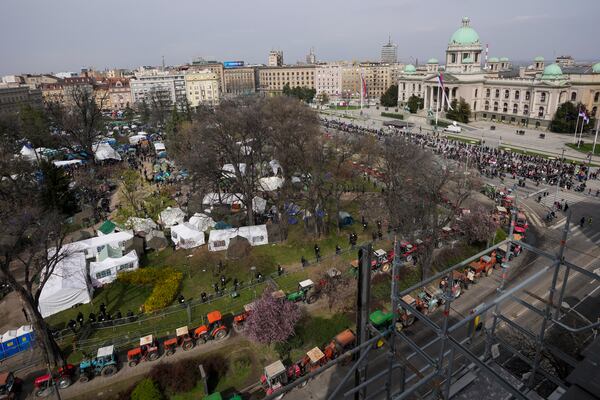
464	139
341	108
585	148
544	155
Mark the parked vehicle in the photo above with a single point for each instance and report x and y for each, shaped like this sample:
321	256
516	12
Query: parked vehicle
276	376
215	329
342	342
104	364
485	265
453	128
239	320
182	340
307	292
45	384
429	299
10	386
521	224
147	351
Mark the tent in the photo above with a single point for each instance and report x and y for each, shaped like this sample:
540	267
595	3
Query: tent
29	154
186	236
345	219
156	240
275	166
171	216
259	205
159	147
229	169
219	239
145	225
270	184
67	286
201	222
104	151
136	139
104	272
66	163
222	198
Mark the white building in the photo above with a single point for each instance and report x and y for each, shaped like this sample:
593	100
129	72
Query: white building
202	87
275	58
389	52
328	79
166	87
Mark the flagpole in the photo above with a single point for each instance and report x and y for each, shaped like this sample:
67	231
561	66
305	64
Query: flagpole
576	126
443	99
595	137
362	88
437	106
581	133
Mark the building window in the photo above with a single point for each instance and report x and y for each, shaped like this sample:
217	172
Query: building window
527	95
515	108
125	267
505	107
453	57
476	92
543	97
474	106
517	93
541	112
573	96
497	93
525	109
495	106
506	94
487	92
597	97
487	105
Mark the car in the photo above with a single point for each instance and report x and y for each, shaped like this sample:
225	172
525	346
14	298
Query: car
453	128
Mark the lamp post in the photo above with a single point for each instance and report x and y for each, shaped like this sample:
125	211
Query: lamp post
558	179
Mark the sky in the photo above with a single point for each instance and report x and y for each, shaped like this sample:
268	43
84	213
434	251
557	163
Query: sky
65	35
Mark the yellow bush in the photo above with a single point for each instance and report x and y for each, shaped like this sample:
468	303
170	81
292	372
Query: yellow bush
165	285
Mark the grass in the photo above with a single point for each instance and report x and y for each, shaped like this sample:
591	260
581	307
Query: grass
336	107
392	115
464	140
543	155
585	148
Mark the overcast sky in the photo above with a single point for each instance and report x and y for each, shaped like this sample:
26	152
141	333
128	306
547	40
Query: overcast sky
65	35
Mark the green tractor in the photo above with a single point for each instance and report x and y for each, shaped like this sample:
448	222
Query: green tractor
307	292
381	321
218	396
104	364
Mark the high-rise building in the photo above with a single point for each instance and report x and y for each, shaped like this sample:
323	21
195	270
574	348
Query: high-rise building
311	58
166	87
239	81
389	52
275	58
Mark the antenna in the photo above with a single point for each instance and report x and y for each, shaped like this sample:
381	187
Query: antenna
487	51
163	63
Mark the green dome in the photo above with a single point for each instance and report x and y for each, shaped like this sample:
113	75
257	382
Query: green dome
504	59
494	59
465	35
596	68
410	69
538	58
551	72
433	61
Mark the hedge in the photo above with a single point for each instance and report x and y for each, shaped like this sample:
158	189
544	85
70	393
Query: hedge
392	115
146	389
165	282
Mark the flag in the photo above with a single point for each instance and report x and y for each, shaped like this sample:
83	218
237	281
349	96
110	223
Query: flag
586	119
363	85
582	114
441	85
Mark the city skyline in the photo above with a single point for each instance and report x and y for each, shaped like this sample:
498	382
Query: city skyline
68	36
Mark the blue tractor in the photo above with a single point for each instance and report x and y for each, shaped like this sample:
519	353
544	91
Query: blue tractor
104	364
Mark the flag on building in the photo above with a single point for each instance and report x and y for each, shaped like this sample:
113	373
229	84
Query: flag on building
440	80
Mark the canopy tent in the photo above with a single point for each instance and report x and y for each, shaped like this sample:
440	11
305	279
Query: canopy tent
186	236
66	163
144	225
104	272
159	147
171	216
345	219
256	235
67	286
270	184
229	169
156	240
104	151
136	139
222	198
201	222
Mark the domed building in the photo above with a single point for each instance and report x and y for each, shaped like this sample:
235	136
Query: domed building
497	91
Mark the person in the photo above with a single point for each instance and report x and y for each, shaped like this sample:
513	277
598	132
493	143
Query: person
317	252
597	192
378	225
204	297
581	222
303	261
566	207
223	281
279	270
102	308
72	324
259	277
92	317
590	221
338	249
118	315
181	299
80	318
235	283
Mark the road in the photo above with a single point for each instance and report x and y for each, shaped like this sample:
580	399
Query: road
582	294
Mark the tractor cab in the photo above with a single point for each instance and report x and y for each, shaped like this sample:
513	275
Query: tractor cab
342	342
521	224
304	293
147	351
406	250
405	317
44	385
214	330
105	364
484	265
9	386
429	299
313	360
239	320
182	338
381	257
274	378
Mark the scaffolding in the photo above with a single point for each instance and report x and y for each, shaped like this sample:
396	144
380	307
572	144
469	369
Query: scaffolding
401	379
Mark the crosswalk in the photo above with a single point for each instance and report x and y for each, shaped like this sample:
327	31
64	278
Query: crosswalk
563	196
575	231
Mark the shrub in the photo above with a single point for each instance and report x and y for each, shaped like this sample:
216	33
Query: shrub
146	389
392	115
176	378
165	282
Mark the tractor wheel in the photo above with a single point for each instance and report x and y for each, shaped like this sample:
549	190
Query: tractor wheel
187	345
386	267
238	327
64	382
133	363
109	370
458	291
41	393
409	321
409	258
84	378
399	326
200	340
379	344
489	271
153	356
220	334
311	299
169	352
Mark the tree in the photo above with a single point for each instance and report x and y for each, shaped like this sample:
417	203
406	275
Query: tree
79	118
323	98
56	193
459	111
415	104
566	118
146	389
302	93
340	292
272	320
478	225
390	97
34	126
131	183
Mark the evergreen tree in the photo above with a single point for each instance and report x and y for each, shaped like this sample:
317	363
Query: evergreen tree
565	118
415	104
55	191
390	97
459	111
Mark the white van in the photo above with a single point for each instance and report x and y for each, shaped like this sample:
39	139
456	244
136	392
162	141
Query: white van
453	128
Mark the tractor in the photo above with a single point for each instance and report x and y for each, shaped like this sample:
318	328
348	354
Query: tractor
484	265
239	320
307	292
502	251
380	320
312	361
182	340
276	376
379	259
147	351
521	224
10	386
429	299
459	281
341	343
214	330
45	384
405	317
104	364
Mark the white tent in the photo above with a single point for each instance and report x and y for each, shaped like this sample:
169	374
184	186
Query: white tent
275	166
104	151
201	222
271	183
159	146
135	139
219	238
29	154
66	287
66	163
145	225
259	204
171	216
222	198
186	236
103	272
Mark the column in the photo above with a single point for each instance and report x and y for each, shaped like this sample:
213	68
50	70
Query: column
425	96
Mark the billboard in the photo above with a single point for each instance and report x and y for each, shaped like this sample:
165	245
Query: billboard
233	64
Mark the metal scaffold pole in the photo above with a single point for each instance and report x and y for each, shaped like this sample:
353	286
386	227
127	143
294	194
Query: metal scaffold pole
364	294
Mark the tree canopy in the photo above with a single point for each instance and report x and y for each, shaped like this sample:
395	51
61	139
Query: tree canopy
273	320
565	118
302	93
390	97
415	103
460	111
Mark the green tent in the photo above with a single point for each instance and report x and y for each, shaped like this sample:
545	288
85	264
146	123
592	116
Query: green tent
214	396
107	227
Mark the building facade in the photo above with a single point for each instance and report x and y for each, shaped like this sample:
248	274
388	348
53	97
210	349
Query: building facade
239	81
62	92
378	78
275	58
271	80
214	67
202	87
12	98
389	52
167	87
528	97
119	93
328	80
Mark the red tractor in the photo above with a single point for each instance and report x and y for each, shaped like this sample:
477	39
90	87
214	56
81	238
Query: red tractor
239	321
342	342
10	386
182	340
45	384
148	351
485	265
214	330
521	224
